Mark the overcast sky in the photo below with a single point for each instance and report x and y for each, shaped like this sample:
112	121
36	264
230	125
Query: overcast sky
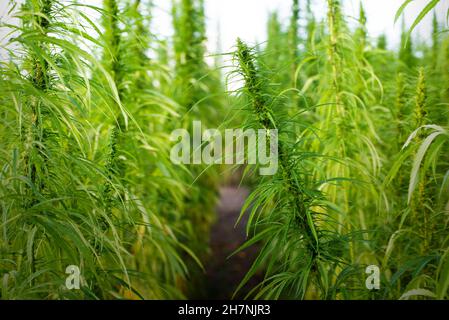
247	18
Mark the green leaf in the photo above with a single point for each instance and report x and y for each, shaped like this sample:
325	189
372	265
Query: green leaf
417	292
401	9
414	176
423	13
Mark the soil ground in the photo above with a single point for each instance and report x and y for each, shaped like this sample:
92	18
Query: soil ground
224	273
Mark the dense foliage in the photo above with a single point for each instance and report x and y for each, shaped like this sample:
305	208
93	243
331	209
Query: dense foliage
89	97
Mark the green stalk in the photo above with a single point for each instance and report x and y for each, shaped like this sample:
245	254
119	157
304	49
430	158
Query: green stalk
310	28
40	79
406	49
189	26
294	40
435	41
333	17
337	115
112	61
420	105
361	33
264	115
111	56
400	101
420	205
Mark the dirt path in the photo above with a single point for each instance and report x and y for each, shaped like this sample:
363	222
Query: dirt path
223	274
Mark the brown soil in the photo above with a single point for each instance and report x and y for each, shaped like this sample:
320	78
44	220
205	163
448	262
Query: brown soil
224	273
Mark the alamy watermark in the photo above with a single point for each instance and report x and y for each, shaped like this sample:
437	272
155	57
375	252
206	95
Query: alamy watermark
72	282
214	147
372	282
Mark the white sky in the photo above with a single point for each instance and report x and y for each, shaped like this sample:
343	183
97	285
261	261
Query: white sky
247	18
